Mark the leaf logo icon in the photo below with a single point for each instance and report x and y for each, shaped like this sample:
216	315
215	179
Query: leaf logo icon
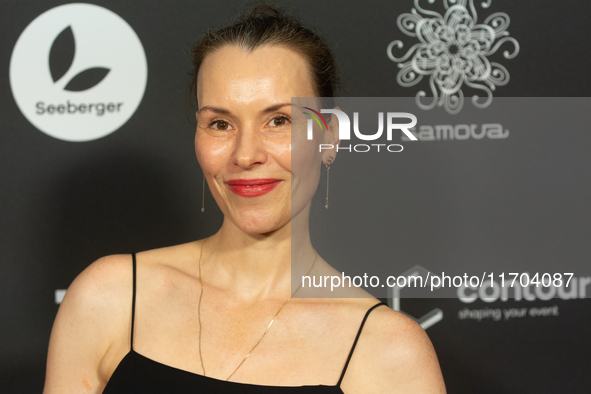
61	57
78	72
87	79
61	54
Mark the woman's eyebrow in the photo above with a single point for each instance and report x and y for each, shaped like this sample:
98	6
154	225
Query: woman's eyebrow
217	110
275	107
214	109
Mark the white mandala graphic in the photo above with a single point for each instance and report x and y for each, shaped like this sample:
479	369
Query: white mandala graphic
453	51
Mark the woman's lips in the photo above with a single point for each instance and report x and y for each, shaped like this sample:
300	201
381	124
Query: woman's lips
252	187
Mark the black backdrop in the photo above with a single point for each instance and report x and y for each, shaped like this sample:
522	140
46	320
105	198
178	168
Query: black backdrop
65	204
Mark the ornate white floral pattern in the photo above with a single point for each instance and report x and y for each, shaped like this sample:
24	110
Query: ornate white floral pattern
453	51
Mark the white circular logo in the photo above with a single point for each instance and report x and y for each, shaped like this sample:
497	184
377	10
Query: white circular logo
78	72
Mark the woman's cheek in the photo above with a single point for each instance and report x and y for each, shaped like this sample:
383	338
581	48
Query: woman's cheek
304	155
281	150
212	152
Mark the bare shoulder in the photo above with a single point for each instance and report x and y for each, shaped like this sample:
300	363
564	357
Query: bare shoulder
93	313
98	290
394	355
91	332
101	290
104	289
108	272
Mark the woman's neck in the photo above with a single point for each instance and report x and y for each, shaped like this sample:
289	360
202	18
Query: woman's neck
258	266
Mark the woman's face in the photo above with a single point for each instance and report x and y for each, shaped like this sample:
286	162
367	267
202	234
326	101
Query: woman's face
244	136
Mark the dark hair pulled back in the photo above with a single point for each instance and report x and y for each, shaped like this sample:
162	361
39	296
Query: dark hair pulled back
266	24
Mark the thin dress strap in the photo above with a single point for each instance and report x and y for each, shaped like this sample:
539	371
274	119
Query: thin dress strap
133	298
355	342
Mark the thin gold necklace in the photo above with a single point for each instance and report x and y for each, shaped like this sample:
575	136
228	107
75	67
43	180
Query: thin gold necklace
265	333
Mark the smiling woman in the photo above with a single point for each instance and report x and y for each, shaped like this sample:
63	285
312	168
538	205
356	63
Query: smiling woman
217	315
244	132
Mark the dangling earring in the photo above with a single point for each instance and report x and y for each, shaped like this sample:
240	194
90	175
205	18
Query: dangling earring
327	177
203	196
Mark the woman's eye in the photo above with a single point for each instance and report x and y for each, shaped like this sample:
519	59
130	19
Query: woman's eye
220	125
279	121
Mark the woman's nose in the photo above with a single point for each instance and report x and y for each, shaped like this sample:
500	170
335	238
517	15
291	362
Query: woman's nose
249	150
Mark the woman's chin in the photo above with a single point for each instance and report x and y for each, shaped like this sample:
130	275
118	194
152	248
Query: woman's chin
261	224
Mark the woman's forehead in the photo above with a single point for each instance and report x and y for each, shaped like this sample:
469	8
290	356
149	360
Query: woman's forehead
265	74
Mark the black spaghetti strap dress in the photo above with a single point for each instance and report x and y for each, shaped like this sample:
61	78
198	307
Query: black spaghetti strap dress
137	374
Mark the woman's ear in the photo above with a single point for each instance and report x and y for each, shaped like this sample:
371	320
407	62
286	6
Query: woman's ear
331	138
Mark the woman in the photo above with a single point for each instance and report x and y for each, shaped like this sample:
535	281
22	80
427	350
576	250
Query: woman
195	317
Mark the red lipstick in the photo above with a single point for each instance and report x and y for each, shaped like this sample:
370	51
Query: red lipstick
252	187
